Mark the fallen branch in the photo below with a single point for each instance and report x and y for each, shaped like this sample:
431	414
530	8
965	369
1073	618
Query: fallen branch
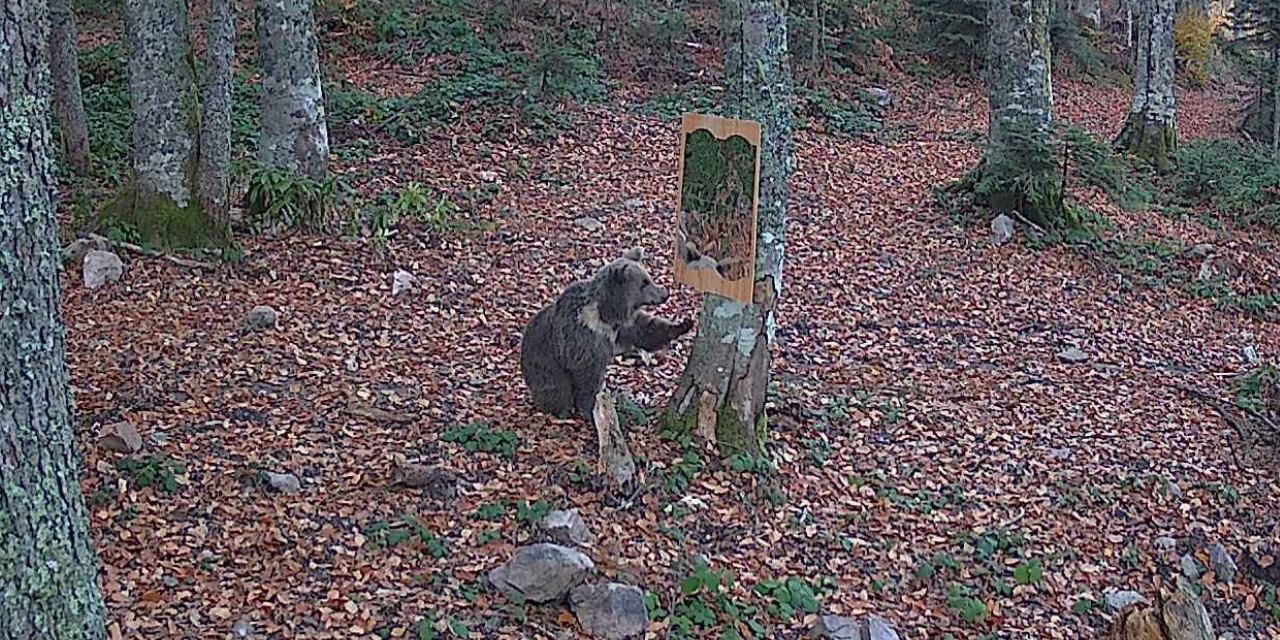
129	246
1228	413
1021	218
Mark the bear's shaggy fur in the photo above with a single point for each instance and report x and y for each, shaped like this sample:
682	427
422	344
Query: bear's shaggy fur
566	348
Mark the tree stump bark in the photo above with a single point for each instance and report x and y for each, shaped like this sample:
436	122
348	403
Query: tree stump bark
615	456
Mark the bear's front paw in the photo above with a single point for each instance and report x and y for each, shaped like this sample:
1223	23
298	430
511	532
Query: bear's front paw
680	329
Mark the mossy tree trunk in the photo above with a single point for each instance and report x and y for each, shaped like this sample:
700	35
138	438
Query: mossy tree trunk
161	201
68	100
721	394
1149	131
48	571
294	135
1018	172
215	126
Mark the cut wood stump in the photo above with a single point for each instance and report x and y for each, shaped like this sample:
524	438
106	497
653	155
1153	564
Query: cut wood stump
615	456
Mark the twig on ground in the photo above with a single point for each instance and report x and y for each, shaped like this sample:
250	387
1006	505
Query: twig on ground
129	246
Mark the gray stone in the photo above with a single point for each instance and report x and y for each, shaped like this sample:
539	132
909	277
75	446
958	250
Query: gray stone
872	627
1175	491
837	628
612	611
283	482
76	251
1073	355
1121	598
1166	544
121	437
1002	230
1200	251
566	526
262	317
634	203
1190	568
402	282
242	629
101	267
541	573
881	95
1251	355
588	223
1224	568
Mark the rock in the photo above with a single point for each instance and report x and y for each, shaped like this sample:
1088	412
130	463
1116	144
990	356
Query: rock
1224	568
101	267
1179	616
541	572
872	627
262	317
566	526
1002	230
1199	251
1120	598
1175	491
836	628
1190	568
634	203
1251	355
436	482
612	611
283	482
242	629
76	251
881	95
120	437
589	223
402	282
1073	355
1166	544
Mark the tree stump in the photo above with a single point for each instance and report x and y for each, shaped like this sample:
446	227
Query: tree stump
1178	617
615	456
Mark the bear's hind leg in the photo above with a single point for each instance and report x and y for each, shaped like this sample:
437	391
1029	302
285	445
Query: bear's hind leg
551	389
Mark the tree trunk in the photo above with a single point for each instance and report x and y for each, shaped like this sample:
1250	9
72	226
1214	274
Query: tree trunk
294	136
68	102
161	202
1275	92
48	570
721	394
215	129
1018	172
1149	131
1091	11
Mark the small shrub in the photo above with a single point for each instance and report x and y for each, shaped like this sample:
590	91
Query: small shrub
1241	180
478	436
1193	45
279	198
969	608
1073	38
839	115
952	32
155	470
790	596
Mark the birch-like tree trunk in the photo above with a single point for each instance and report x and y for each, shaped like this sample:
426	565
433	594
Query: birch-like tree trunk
68	100
294	135
162	92
1149	132
215	126
161	201
1018	172
721	394
48	570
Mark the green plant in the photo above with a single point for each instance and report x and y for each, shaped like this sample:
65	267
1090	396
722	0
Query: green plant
384	535
491	511
1241	180
531	513
953	32
278	197
1029	573
790	596
154	470
970	608
478	436
1259	387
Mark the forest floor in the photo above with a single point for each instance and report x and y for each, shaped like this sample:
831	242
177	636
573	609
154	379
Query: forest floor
932	449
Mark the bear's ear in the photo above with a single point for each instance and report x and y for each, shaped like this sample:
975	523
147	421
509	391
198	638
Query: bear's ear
635	253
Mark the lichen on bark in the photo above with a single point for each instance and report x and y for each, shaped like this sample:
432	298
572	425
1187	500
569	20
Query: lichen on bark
1149	130
294	135
48	570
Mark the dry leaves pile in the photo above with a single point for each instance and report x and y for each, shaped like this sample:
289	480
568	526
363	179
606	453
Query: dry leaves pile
921	405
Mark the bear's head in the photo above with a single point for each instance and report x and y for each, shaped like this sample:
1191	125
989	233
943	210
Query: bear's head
623	286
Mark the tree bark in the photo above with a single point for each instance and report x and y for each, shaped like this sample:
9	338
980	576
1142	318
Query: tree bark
1275	93
1091	11
294	136
48	570
215	129
721	394
161	202
1149	131
68	101
1018	172
162	92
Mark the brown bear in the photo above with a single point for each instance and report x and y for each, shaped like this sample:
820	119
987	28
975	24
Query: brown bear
566	348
